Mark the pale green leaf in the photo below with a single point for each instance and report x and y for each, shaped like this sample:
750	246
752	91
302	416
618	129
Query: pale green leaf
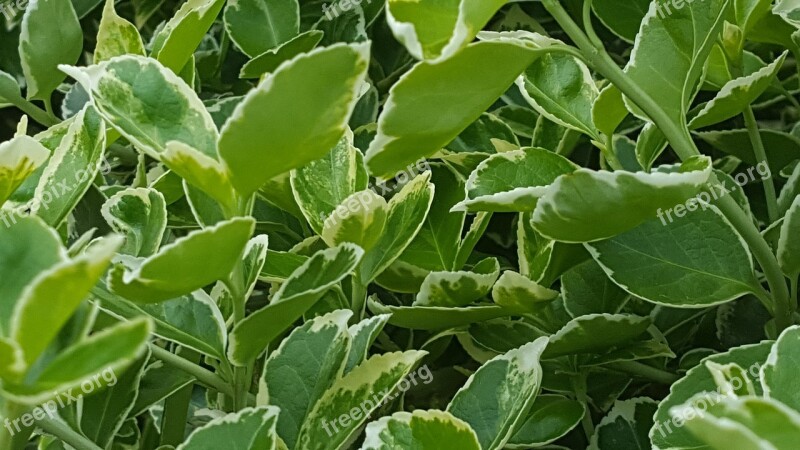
260	25
788	250
360	219
458	288
116	36
248	429
420	430
520	294
140	215
177	41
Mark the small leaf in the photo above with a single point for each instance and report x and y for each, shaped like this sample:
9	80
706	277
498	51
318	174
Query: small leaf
297	294
248	429
361	391
421	430
626	425
521	294
513	181
116	36
363	335
19	158
270	60
256	26
596	332
291	124
461	288
550	418
436	318
141	216
587	290
360	219
788	251
177	41
497	397
776	380
190	263
43	46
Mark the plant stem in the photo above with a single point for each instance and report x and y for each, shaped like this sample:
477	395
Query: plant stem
682	143
359	295
204	376
579	385
176	407
36	113
644	371
11	411
66	434
761	158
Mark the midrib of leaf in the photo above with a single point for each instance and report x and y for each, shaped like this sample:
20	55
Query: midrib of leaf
268	15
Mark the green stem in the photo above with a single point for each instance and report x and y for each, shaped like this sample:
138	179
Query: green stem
66	434
176	407
682	143
204	376
359	295
761	158
36	113
11	411
644	371
579	386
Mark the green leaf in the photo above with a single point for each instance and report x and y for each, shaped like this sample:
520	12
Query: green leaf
188	264
650	145
550	418
256	26
363	335
587	290
322	185
94	360
421	430
750	12
432	29
407	212
29	248
427	108
737	95
270	60
596	332
192	320
781	148
624	19
299	293
436	246
354	397
497	397
626	426
360	219
695	261
513	181
560	87
19	158
280	265
141	216
201	171
454	289
776	380
745	423
434	317
103	415
788	251
670	53
303	367
665	432
177	41
9	89
158	382
71	169
43	46
575	208
294	125
248	429
116	36
148	104
521	294
544	260
608	110
50	300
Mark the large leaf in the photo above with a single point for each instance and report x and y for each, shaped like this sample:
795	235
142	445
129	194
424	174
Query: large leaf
71	169
776	379
577	207
407	212
496	399
421	430
428	108
188	264
148	104
361	391
260	25
51	35
295	116
248	429
513	181
695	261
670	53
297	294
435	29
305	365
